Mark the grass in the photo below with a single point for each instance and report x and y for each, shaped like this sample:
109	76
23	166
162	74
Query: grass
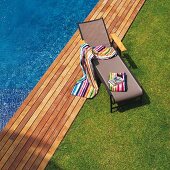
137	138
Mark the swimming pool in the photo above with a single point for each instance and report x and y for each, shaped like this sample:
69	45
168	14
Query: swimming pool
32	34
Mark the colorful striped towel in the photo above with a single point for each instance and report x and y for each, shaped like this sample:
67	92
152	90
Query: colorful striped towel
119	87
87	86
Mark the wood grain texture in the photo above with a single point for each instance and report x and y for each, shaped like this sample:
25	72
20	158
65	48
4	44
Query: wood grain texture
35	131
117	40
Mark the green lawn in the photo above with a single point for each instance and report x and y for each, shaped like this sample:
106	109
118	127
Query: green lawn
138	138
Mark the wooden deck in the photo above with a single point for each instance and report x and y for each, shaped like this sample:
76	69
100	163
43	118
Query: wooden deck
35	131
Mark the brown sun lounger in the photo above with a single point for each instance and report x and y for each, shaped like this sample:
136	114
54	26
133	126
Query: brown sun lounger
94	33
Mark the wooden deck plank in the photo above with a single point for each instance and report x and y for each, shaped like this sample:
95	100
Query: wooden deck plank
40	111
131	19
23	139
57	74
127	18
26	157
123	13
45	144
62	124
113	8
26	118
107	12
39	84
116	15
52	117
63	131
99	9
119	17
30	104
117	7
103	10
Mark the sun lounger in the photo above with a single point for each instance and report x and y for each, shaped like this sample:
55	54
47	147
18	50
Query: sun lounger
94	33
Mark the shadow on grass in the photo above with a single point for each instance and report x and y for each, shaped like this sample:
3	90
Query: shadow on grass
134	103
53	166
128	58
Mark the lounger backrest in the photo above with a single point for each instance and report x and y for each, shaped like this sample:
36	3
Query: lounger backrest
94	33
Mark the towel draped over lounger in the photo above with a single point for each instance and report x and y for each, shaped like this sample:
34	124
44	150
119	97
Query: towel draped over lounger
87	86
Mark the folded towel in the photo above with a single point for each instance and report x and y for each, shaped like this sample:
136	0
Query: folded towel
117	82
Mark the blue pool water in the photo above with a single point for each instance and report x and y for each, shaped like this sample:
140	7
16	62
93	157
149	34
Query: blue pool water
32	34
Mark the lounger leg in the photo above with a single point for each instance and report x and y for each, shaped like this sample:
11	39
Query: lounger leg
141	99
110	104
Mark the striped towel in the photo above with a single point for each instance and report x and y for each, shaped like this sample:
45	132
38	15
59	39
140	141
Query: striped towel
120	87
87	86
